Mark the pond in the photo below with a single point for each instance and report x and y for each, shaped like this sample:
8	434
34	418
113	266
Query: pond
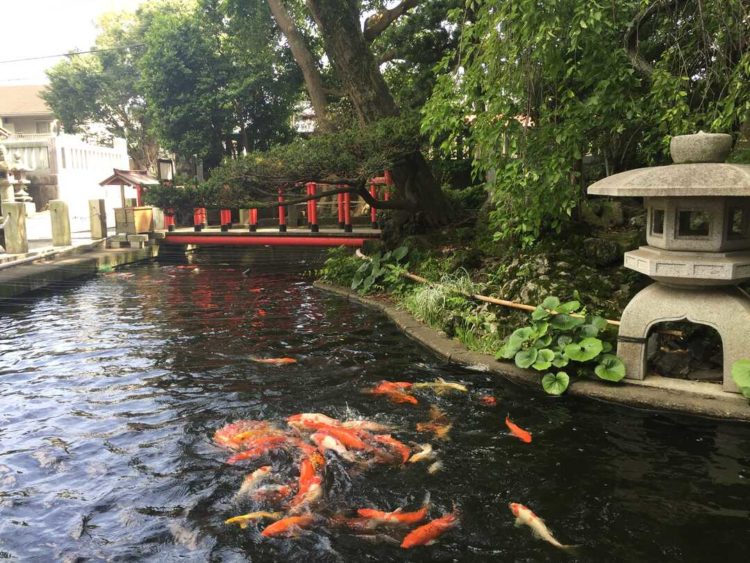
111	391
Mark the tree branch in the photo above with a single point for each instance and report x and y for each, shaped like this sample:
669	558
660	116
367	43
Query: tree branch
378	23
631	34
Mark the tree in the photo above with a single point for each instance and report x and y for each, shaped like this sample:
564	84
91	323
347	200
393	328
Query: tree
540	85
104	87
338	22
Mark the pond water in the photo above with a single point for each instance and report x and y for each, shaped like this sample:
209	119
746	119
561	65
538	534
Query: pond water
111	390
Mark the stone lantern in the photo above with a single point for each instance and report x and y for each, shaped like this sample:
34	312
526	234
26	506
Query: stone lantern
698	234
17	177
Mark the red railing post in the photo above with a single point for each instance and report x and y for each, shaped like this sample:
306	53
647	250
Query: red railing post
388	184
347	212
340	201
282	212
169	219
373	211
199	218
252	220
312	208
225	218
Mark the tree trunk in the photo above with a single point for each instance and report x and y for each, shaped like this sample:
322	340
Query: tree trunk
339	23
306	62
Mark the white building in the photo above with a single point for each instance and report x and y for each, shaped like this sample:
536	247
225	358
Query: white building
64	166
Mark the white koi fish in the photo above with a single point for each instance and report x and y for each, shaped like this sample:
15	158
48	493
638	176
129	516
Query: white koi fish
524	515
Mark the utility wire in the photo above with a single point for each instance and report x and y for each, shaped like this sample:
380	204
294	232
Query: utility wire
73	53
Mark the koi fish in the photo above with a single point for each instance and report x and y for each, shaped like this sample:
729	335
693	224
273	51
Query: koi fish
360	525
524	515
311	420
261	313
395	391
328	442
488	401
252	480
441	386
273	361
234	434
425	454
395	517
272	493
245	519
287	526
394	444
347	437
518	432
435	467
259	447
439	424
428	533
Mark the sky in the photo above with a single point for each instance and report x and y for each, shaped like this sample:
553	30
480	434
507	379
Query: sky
38	28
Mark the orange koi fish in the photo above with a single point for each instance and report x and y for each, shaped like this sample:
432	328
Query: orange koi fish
395	391
233	435
273	361
488	401
428	533
310	488
518	432
524	515
395	517
272	493
391	442
347	437
288	526
259	447
367	425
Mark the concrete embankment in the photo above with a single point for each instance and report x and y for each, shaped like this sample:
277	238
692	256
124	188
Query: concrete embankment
658	393
24	277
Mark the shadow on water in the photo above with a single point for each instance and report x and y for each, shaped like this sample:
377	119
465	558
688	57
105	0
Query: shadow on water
111	390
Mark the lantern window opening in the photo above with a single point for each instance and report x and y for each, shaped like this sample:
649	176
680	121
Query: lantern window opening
693	223
657	222
738	223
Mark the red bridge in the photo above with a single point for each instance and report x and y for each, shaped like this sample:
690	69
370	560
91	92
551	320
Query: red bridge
251	230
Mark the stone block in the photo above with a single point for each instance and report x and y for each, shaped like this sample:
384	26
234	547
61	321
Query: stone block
16	241
60	217
98	218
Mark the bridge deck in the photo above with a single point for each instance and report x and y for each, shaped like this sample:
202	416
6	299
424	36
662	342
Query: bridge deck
298	236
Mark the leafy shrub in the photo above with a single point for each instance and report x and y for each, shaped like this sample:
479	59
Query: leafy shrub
381	271
340	266
558	336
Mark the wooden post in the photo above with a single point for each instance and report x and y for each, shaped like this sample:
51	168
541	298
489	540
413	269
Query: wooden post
58	212
122	195
97	219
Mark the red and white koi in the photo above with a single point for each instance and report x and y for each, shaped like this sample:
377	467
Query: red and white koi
252	480
328	442
402	449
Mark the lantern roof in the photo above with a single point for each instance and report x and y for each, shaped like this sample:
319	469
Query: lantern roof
704	179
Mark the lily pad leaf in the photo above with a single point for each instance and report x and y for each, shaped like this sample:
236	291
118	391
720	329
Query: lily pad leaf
566	322
543	359
507	351
556	384
588	331
569	307
599	322
543	341
606	347
585	350
551	303
610	368
400	252
525	358
522	335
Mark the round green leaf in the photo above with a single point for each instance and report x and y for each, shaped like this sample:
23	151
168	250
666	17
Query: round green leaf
543	341
560	360
507	351
540	313
525	358
522	335
569	307
610	368
566	322
585	350
543	359
551	303
556	384
741	374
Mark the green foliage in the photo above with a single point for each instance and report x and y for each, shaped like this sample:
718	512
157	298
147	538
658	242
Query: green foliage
340	266
380	271
741	376
536	86
558	334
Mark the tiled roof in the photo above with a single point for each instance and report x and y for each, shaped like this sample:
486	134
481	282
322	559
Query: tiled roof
22	100
129	177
